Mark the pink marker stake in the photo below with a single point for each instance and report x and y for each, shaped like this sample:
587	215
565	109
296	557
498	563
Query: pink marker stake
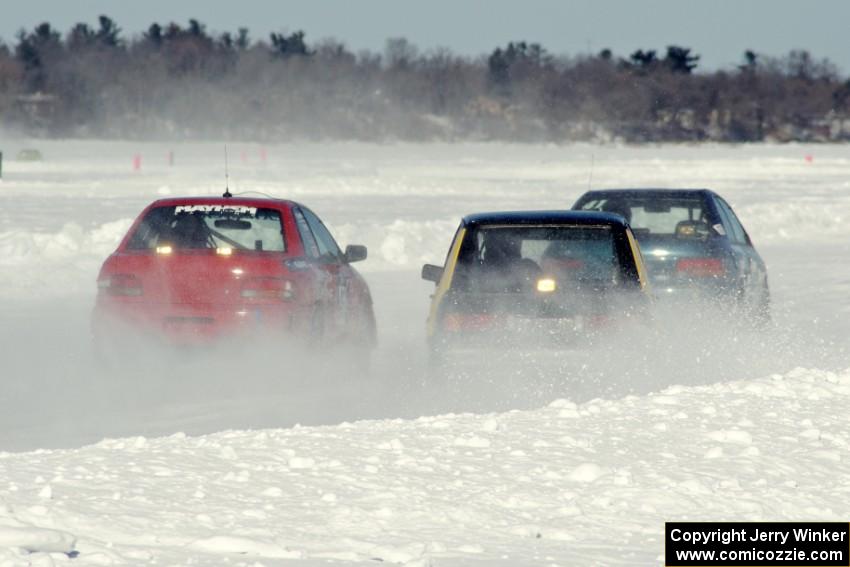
137	162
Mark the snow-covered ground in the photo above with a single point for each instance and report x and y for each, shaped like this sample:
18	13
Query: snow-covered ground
702	422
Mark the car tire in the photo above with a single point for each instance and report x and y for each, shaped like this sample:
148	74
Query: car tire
104	359
361	360
761	311
117	355
317	325
362	341
754	311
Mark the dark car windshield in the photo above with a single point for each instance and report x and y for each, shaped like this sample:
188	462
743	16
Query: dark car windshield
656	215
503	259
210	226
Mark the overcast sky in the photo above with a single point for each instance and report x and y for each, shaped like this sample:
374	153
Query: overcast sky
718	30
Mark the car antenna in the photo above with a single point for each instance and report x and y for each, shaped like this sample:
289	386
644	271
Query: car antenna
227	193
590	177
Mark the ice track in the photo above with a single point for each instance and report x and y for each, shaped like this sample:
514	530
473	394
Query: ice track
531	462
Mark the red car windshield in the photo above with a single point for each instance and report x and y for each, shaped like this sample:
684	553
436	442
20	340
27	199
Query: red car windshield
193	227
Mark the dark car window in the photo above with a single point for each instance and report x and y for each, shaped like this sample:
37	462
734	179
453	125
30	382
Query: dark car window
328	248
738	234
311	248
727	223
656	215
505	258
210	226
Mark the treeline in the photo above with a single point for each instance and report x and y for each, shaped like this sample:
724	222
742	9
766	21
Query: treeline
175	81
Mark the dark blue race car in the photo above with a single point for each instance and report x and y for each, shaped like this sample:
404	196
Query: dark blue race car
693	244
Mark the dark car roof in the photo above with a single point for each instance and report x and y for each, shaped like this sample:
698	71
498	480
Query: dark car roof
544	217
646	192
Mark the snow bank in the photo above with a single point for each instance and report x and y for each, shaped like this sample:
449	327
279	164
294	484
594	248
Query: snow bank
35	540
797	222
403	201
400	244
21	541
67	261
568	483
44	263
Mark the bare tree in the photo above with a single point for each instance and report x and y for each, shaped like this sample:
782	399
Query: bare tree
178	80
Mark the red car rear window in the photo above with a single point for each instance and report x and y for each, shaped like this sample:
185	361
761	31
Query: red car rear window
210	226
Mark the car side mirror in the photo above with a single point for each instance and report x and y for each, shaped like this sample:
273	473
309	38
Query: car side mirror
355	253
432	273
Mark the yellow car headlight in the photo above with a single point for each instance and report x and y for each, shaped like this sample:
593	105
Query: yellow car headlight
546	285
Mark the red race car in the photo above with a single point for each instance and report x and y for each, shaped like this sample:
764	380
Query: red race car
193	270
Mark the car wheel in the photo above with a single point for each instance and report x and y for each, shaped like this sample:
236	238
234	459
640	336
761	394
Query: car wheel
361	360
317	324
761	311
117	355
104	357
361	340
755	310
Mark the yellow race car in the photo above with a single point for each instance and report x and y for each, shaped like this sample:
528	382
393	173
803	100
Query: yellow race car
535	279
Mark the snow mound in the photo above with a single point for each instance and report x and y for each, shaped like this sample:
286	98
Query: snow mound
67	261
454	489
34	540
226	545
400	244
820	221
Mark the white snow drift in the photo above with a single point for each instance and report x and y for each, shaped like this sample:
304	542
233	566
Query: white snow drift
566	484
